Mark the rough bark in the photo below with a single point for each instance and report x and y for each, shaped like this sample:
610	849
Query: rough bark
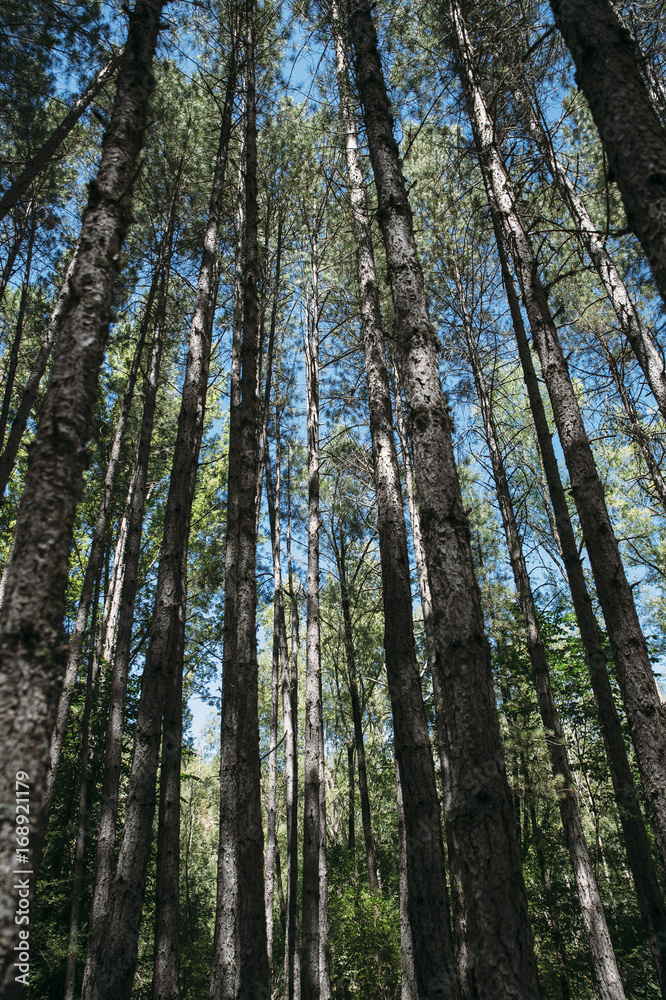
32	648
29	395
10	373
46	151
113	962
292	989
608	72
646	351
408	989
485	857
310	943
240	960
594	920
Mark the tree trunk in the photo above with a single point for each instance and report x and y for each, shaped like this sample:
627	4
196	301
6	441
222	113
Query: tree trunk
485	856
19	233
594	921
80	841
32	648
370	850
10	374
113	963
310	944
608	72
121	661
19	423
240	959
45	152
408	990
292	969
637	684
167	948
324	926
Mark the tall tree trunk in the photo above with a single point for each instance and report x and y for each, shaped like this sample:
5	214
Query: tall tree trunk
240	959
311	946
594	920
10	374
408	990
113	963
19	233
121	661
646	351
648	891
46	151
95	556
608	72
32	648
350	652
292	976
485	856
167	948
324	925
641	698
80	841
19	423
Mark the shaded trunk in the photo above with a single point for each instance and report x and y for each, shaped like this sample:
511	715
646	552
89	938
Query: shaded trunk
292	969
46	151
311	971
485	858
113	962
8	268
647	353
351	782
608	72
32	647
240	958
324	926
408	990
167	950
29	395
594	921
10	374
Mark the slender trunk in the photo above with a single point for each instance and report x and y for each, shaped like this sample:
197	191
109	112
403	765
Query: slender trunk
646	351
8	268
167	950
428	904
271	822
121	661
484	855
10	374
19	423
113	963
608	72
648	891
594	921
107	632
292	979
95	556
408	990
32	647
324	926
79	849
351	793
370	850
46	151
311	946
630	655
240	958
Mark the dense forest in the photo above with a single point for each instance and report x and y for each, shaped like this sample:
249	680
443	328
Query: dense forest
332	500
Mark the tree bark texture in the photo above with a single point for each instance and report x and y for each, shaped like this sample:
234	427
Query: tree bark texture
310	942
10	374
32	648
500	951
608	71
641	699
240	959
46	151
408	990
292	977
113	963
594	920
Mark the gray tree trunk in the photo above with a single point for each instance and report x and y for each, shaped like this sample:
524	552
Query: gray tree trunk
408	989
292	968
608	71
10	373
485	856
32	647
